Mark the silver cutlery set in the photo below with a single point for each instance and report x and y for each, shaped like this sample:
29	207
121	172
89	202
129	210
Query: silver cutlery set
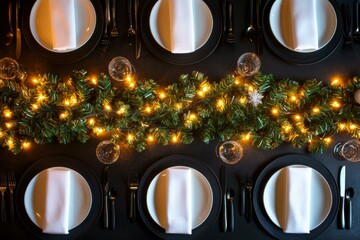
253	31
228	196
109	199
133	33
7	186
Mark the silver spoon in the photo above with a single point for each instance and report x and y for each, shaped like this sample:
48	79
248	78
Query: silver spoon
10	34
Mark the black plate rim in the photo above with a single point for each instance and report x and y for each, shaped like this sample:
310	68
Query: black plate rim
297	57
268	171
69	57
181	59
59	161
170	161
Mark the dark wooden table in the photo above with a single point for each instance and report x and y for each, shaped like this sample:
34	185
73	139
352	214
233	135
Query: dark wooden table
343	62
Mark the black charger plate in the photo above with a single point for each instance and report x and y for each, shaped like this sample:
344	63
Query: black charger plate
68	57
181	59
298	57
171	161
59	161
264	176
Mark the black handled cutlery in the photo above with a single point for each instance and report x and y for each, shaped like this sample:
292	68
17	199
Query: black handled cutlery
231	218
349	194
230	36
224	225
114	31
249	208
112	198
137	29
258	24
18	31
348	18
11	186
133	184
242	197
224	15
105	39
10	34
3	186
131	33
356	34
105	185
251	31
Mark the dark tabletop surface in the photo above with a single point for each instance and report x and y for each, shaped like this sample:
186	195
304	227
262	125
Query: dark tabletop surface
343	62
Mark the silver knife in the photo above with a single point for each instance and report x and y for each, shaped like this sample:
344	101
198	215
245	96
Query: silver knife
341	214
18	31
224	223
137	30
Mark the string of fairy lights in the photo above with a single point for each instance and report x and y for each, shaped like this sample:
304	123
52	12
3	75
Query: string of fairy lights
261	110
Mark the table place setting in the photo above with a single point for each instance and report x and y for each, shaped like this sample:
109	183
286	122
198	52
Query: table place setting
174	33
295	198
75	28
179	197
302	32
58	196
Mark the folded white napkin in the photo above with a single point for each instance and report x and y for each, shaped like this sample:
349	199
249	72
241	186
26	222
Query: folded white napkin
304	24
297	199
179	203
181	16
57	199
63	24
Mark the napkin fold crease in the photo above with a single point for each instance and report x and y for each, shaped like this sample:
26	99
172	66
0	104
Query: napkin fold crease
181	14
57	202
63	24
304	24
179	201
297	199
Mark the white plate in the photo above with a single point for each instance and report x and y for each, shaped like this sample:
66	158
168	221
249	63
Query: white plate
40	27
80	198
159	23
321	198
280	24
202	198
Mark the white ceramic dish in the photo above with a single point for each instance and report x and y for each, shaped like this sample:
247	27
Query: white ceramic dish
40	28
202	198
159	24
321	198
280	24
80	198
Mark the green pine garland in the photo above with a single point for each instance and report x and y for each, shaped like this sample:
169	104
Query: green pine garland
76	108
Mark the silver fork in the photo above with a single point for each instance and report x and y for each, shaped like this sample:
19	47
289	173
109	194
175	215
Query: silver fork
3	185
114	32
11	186
133	184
